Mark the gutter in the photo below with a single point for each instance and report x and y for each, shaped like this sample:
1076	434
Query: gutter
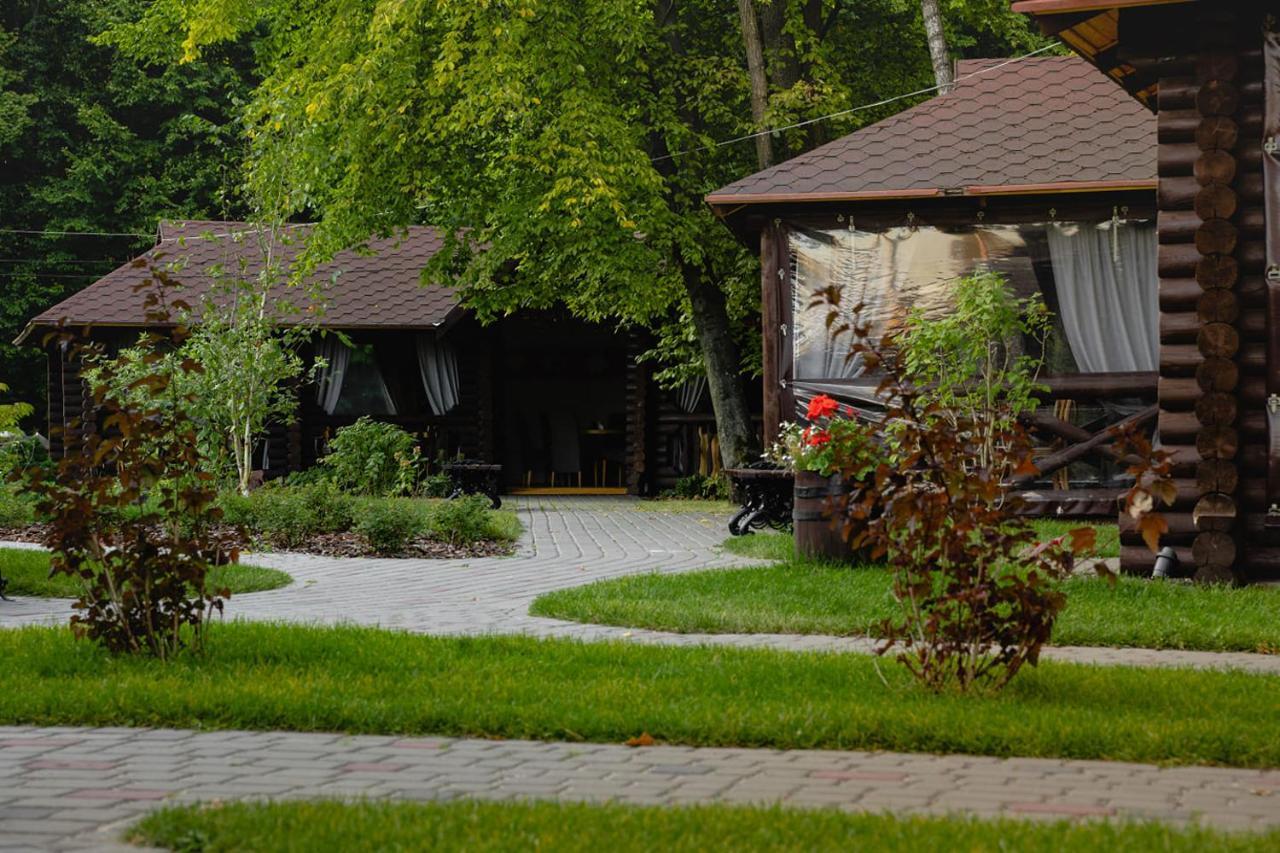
972	191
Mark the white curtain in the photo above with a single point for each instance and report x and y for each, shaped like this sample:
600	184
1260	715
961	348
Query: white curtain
336	356
689	395
1107	294
376	377
439	368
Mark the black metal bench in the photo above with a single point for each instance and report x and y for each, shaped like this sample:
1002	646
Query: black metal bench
3	584
767	495
473	477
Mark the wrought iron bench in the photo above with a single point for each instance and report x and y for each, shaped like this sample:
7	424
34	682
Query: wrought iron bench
767	495
3	584
473	477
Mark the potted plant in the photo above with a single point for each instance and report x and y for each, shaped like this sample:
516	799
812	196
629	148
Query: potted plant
833	440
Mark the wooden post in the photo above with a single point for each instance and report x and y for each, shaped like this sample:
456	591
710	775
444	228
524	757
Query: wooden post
771	287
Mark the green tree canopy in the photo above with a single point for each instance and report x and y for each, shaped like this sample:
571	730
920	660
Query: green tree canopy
95	141
565	145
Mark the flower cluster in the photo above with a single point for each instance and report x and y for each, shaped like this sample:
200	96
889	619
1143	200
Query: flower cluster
833	438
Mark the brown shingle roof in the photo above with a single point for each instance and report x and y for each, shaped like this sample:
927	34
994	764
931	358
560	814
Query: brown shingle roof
1032	125
380	289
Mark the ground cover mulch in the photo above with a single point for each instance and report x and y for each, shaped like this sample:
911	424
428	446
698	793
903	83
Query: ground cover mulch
345	544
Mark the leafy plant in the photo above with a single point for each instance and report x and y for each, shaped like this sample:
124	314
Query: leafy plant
368	457
286	516
129	509
389	525
973	361
460	521
700	487
17	507
977	593
834	439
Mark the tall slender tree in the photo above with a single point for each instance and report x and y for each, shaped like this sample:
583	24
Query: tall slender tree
939	54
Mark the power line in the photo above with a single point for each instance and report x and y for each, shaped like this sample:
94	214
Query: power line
845	112
60	263
39	233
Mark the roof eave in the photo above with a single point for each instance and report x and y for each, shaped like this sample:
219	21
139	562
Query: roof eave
726	204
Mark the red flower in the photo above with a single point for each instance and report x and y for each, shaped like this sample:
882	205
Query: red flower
817	438
851	411
822	406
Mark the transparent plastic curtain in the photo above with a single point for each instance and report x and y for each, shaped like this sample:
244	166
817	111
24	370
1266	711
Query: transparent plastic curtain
1107	271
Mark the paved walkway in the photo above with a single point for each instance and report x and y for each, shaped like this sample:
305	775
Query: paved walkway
567	542
66	788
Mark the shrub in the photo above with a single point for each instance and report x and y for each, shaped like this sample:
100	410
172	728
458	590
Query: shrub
977	594
700	487
288	515
366	457
142	563
17	508
460	521
389	525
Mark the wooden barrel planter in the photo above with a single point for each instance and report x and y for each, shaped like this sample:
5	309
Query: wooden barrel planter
815	535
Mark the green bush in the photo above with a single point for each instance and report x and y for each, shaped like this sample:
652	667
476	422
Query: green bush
17	509
700	487
461	521
389	525
366	457
18	451
288	515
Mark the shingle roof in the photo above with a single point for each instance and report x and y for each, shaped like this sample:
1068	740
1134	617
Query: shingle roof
378	289
1028	125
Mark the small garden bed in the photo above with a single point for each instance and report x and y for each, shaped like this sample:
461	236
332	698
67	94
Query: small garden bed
361	680
27	573
801	597
482	826
318	518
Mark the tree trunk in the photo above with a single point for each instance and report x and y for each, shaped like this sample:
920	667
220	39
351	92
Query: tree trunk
721	359
937	45
759	83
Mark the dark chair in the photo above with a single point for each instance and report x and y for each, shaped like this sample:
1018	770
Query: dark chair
566	454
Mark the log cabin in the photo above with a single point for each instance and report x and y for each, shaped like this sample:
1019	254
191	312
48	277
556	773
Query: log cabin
1209	72
983	178
565	406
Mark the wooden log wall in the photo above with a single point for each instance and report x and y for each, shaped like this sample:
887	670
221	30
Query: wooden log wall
1213	328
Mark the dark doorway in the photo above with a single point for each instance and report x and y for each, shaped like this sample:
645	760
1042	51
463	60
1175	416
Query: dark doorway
561	388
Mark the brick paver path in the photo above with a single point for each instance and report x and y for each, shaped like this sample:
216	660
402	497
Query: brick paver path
567	542
65	788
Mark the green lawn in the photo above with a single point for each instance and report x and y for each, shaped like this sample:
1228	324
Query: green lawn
470	826
804	597
27	572
768	546
262	676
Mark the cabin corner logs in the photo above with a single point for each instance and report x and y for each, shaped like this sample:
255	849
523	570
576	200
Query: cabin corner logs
1219	353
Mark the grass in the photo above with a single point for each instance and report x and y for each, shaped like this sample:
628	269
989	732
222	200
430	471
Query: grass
801	597
767	546
27	572
687	505
471	825
262	676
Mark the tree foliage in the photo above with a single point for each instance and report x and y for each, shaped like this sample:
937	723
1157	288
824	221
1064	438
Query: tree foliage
565	146
93	140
